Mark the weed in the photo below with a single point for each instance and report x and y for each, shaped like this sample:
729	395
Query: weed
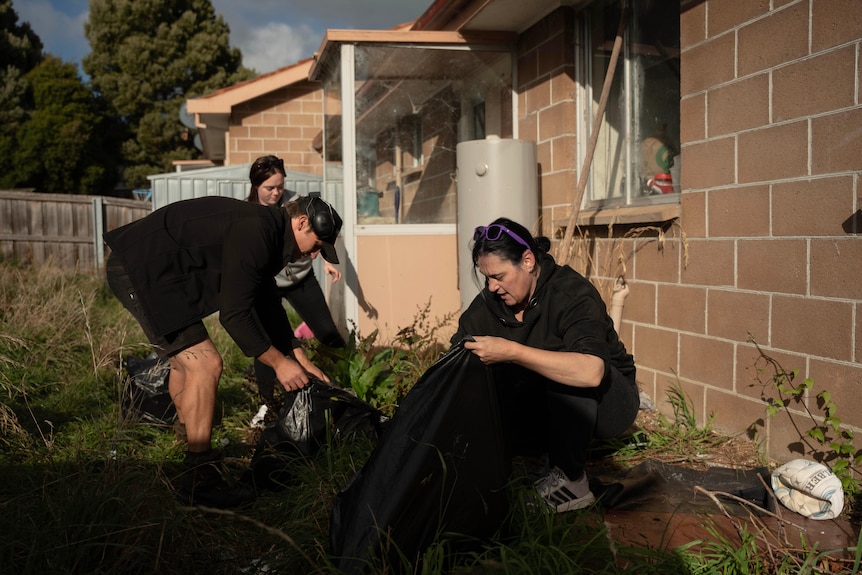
676	440
605	260
824	440
366	368
382	374
420	342
86	489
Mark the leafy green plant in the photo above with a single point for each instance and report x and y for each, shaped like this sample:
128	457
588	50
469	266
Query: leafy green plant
382	374
824	438
368	369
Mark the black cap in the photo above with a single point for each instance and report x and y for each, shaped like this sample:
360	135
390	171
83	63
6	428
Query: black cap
325	223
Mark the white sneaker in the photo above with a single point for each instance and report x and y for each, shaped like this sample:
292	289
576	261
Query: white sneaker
563	494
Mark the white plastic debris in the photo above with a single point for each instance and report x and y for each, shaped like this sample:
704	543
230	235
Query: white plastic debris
808	488
257	420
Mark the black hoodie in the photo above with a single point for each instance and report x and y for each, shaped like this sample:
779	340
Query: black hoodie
566	313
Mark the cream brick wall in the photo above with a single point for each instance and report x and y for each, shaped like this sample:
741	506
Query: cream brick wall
283	123
546	111
771	120
767	245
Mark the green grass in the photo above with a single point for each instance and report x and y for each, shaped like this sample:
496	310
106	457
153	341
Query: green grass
86	489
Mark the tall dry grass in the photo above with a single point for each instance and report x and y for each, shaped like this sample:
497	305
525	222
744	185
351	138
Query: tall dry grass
86	488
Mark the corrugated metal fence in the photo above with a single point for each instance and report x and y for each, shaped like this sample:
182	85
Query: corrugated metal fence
229	181
67	230
62	229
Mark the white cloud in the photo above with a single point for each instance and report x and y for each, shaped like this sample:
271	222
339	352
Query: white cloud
276	45
274	33
270	33
62	34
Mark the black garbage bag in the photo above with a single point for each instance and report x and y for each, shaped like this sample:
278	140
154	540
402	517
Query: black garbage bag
146	397
310	417
440	467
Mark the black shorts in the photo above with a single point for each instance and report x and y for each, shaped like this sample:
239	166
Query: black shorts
166	345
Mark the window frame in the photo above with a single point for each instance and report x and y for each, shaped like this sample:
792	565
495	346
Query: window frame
656	207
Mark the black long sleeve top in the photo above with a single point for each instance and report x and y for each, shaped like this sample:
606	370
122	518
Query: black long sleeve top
192	258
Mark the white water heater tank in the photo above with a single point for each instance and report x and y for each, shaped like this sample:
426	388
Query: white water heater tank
497	177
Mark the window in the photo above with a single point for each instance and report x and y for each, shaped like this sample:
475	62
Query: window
479	121
412	105
636	159
411	141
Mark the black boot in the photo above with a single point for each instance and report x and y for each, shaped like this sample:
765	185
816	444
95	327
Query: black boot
202	482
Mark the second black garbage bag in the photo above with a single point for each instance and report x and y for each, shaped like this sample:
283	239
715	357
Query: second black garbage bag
310	418
440	467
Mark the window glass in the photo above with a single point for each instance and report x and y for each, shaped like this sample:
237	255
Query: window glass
331	137
636	159
413	105
478	112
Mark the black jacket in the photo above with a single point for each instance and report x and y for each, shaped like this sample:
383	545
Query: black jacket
566	313
192	258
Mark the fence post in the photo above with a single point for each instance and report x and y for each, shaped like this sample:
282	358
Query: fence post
98	229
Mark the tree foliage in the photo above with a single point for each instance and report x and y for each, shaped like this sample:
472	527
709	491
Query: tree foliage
64	146
59	134
54	133
147	57
20	52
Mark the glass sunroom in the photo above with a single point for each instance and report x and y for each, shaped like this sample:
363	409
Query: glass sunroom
396	104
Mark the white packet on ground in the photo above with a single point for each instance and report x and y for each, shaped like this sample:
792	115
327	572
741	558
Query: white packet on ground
808	488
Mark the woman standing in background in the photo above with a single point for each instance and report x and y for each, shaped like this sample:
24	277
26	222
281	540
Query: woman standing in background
296	282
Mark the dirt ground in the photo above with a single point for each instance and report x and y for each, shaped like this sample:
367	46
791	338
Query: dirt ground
671	519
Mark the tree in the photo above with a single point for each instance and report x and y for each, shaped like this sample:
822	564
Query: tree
20	52
147	57
64	146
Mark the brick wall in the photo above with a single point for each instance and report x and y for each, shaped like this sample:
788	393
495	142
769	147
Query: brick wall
770	113
546	111
768	243
284	123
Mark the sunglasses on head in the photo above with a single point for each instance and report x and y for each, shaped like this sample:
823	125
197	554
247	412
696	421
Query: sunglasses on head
494	232
270	162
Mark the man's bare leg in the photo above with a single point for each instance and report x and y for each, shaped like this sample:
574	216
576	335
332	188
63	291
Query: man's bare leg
193	384
195	374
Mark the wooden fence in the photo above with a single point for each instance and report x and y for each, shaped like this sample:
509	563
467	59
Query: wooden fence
61	229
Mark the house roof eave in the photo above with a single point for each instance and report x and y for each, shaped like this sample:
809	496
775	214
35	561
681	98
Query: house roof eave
212	112
334	38
511	15
222	101
212	128
475	15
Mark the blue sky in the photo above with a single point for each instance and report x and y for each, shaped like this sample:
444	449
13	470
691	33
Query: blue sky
270	33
